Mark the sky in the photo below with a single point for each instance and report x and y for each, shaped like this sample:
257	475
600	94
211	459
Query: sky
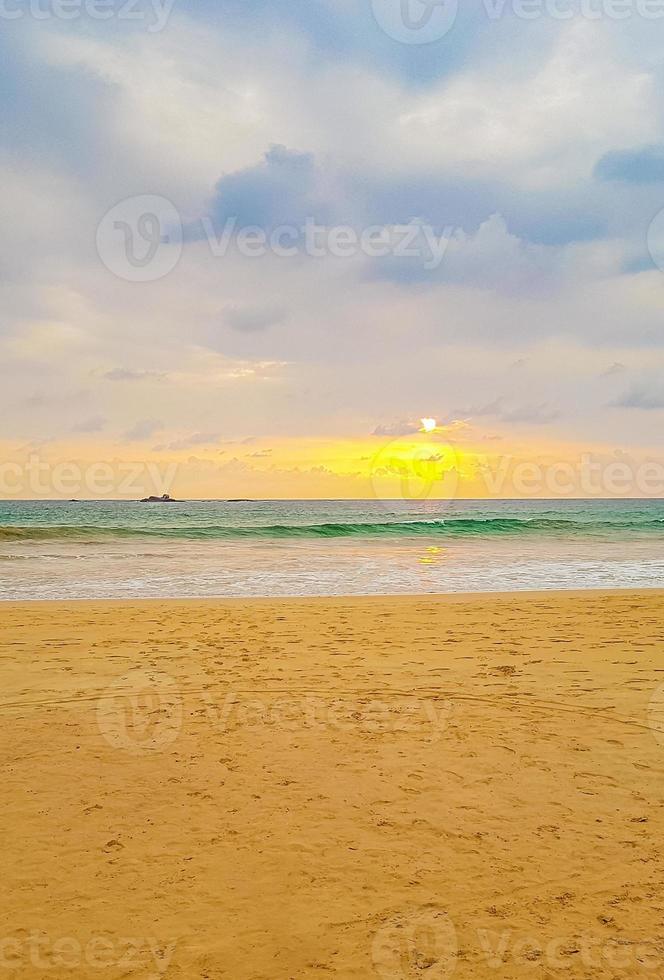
258	240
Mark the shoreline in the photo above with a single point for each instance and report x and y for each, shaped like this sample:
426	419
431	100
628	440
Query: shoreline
350	597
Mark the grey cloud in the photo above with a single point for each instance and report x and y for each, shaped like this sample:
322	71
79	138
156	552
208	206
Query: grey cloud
403	428
196	439
480	411
143	429
253	319
94	424
643	396
533	414
127	374
285	188
642	166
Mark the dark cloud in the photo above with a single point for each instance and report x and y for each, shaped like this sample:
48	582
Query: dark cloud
480	411
94	424
50	114
532	414
643	166
196	439
643	396
253	319
285	188
143	429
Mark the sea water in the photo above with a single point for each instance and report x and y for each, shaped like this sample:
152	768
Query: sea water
115	549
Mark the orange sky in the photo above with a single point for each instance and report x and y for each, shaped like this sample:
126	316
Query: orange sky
453	461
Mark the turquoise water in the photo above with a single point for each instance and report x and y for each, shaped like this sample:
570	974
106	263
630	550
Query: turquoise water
35	520
52	549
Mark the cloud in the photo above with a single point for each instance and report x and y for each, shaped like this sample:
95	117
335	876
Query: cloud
94	424
144	429
49	117
538	414
395	429
480	411
253	319
531	414
616	368
493	257
644	166
648	397
196	439
272	111
127	374
285	188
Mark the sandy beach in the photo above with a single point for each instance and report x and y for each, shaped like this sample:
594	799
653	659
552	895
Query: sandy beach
425	787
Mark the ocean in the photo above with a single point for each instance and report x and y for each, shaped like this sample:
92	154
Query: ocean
115	549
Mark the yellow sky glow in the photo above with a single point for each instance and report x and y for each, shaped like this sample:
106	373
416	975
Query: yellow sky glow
448	462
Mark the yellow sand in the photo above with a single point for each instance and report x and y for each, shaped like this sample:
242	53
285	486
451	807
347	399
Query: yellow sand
389	787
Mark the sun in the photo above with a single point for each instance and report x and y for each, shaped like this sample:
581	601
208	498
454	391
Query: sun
428	425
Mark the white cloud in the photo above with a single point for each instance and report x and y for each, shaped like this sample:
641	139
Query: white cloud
547	126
